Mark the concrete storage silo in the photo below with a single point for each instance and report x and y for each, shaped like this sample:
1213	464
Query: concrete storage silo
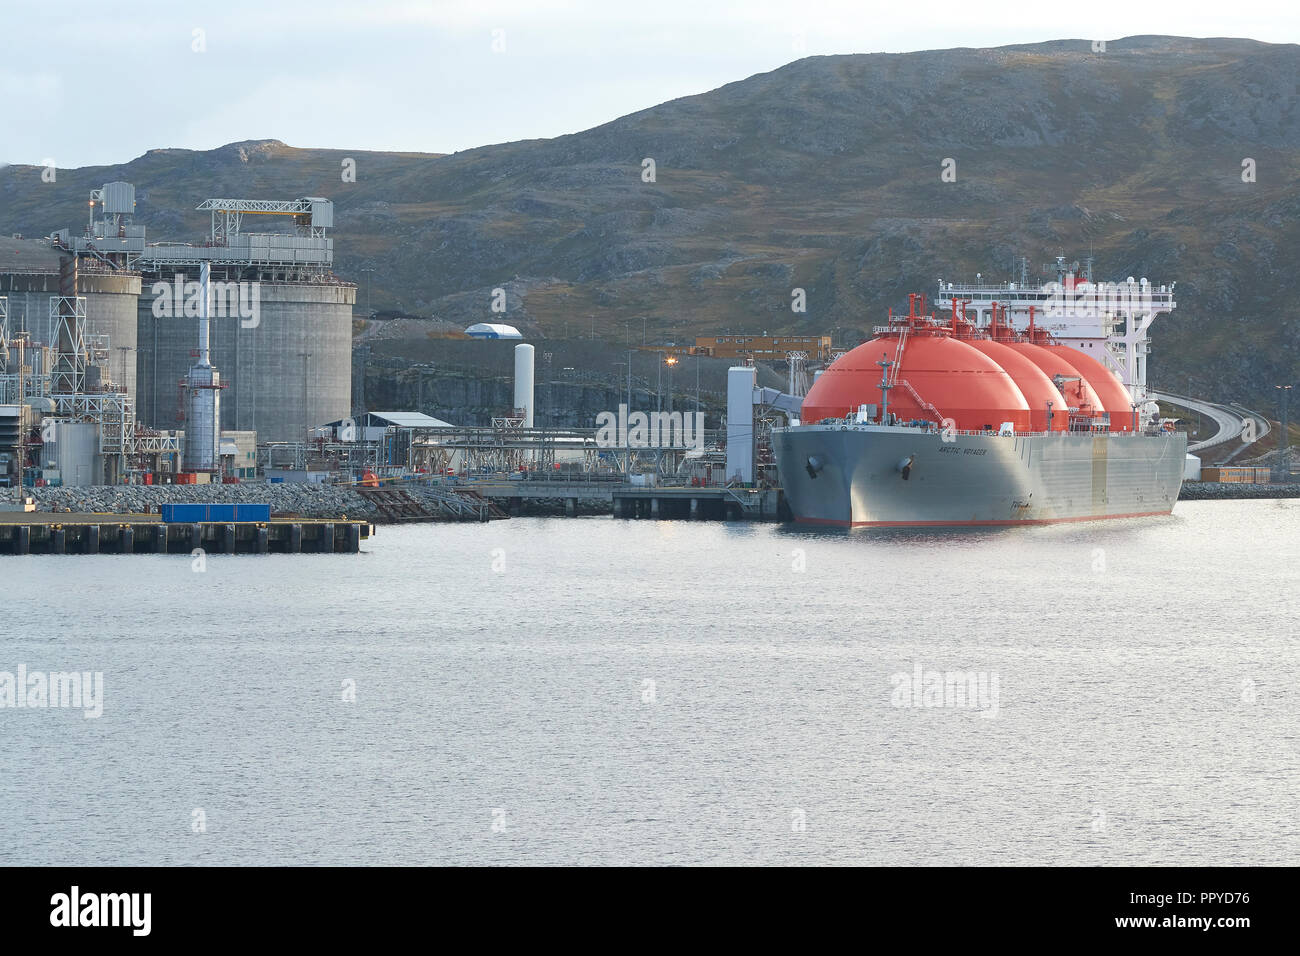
29	276
286	368
289	372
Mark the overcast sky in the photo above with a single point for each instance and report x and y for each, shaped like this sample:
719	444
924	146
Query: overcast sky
95	84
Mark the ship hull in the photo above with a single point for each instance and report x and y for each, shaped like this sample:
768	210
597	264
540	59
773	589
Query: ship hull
857	477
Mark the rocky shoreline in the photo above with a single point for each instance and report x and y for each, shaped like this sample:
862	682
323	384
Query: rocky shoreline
337	501
1223	491
309	501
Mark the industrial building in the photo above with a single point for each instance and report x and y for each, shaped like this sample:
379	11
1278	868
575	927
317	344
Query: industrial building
493	330
392	445
373	426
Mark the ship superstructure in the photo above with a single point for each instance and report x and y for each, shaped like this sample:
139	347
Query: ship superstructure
1108	320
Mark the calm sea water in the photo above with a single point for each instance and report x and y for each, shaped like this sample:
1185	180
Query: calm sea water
606	691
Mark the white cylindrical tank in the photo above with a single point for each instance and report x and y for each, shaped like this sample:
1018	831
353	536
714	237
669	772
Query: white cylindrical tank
741	380
73	450
524	382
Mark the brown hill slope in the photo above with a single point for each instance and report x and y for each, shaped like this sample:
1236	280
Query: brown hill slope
824	175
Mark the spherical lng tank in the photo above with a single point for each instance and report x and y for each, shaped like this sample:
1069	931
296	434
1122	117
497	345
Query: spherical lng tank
1032	382
960	382
1078	393
29	276
1115	398
287	369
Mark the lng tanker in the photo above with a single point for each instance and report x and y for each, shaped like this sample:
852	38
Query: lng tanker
958	421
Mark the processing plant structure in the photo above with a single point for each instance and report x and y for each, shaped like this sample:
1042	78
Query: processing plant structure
65	415
282	329
97	340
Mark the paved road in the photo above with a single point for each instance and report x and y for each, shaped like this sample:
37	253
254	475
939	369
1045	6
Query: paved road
1230	420
1262	428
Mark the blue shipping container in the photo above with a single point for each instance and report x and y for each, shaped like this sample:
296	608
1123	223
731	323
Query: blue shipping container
184	513
190	514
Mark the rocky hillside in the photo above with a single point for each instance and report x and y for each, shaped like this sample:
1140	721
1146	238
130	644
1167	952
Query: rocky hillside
823	175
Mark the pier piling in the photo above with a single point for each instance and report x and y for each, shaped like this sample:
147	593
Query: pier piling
86	533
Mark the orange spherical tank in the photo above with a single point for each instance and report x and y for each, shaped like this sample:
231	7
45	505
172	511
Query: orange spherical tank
1078	394
959	382
1115	398
1032	382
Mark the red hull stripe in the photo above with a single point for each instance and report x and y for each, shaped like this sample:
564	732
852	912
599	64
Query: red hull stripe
968	524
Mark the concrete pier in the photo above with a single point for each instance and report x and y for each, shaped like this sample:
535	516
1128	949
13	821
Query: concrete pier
569	497
719	504
70	533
